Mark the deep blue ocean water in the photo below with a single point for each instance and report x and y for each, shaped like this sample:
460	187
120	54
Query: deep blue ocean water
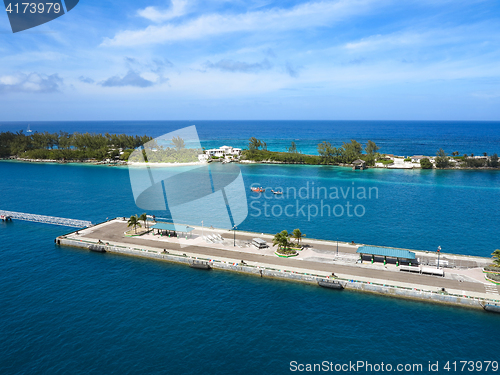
65	311
393	137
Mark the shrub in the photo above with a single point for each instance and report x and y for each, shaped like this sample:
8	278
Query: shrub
442	160
425	163
493	162
475	163
284	157
492	269
288	251
126	154
494	277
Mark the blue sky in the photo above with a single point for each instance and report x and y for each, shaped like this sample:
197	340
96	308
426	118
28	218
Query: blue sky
256	59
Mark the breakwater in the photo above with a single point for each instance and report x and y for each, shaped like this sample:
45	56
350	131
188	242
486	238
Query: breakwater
265	269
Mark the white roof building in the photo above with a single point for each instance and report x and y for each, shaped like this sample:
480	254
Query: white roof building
417	158
224	150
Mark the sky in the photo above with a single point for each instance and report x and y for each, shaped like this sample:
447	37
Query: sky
256	59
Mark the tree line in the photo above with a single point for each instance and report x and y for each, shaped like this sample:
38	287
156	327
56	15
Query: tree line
351	151
443	161
66	146
155	153
328	154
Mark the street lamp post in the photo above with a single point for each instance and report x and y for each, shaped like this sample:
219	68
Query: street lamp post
234	235
337	246
202	234
439	249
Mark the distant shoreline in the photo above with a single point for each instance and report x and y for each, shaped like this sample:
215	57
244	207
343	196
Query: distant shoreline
271	162
102	163
244	162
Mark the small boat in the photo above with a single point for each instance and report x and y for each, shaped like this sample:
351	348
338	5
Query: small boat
257	189
276	192
97	248
29	130
491	308
200	265
330	284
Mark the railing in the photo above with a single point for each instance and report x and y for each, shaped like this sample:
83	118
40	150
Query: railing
47	219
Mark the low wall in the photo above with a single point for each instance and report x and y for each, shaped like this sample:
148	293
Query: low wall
409	293
262	271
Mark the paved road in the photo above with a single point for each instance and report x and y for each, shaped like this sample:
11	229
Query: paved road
331	247
114	233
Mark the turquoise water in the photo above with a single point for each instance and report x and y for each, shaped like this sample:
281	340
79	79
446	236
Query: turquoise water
66	311
456	210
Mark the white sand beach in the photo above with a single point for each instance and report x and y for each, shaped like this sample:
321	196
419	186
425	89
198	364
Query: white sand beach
163	165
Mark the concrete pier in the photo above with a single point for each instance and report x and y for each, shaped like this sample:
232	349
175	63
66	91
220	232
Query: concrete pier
464	283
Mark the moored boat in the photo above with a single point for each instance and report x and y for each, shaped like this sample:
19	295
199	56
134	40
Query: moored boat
331	284
200	265
492	308
97	248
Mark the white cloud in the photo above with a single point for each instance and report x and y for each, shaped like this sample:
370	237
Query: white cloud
239	66
30	83
478	34
311	14
385	41
179	8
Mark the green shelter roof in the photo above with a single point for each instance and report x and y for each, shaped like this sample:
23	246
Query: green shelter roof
386	251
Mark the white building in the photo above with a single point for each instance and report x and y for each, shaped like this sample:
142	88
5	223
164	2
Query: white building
224	151
417	158
203	158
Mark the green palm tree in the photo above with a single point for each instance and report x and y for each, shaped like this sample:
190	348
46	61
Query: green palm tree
281	239
144	218
496	257
134	221
297	234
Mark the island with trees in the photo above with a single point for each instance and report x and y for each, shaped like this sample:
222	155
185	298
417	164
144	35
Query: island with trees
91	147
64	146
119	148
353	151
175	152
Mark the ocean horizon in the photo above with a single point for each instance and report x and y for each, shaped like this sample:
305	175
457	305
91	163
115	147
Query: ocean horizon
393	137
65	310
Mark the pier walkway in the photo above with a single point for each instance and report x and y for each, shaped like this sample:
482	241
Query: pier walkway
320	259
46	219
